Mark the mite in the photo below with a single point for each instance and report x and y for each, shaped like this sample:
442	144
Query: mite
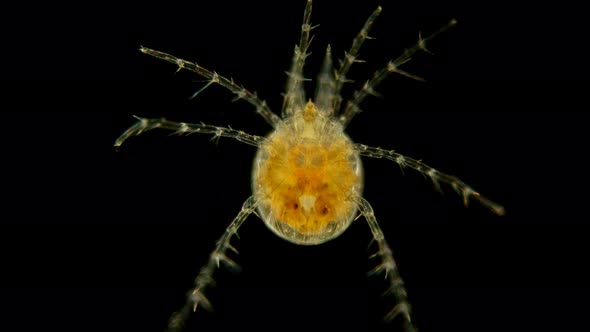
307	176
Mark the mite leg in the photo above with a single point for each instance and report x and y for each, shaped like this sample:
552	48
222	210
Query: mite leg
294	97
240	92
196	296
460	187
352	107
389	268
351	57
181	128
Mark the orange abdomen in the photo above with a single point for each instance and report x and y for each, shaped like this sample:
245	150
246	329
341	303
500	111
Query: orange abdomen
307	186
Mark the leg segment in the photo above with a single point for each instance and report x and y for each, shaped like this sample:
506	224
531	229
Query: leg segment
213	77
389	268
196	296
295	95
460	187
180	128
352	106
351	57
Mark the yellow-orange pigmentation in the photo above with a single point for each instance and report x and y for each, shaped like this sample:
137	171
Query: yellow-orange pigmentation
305	176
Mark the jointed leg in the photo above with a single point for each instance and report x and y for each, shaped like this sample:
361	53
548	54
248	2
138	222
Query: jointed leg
196	296
239	91
180	128
352	107
294	97
389	268
460	187
351	57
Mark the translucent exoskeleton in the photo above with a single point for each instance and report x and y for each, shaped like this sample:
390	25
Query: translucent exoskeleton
307	177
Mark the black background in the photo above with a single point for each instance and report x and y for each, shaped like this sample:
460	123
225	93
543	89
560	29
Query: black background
98	240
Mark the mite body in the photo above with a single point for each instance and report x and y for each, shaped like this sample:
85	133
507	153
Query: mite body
307	177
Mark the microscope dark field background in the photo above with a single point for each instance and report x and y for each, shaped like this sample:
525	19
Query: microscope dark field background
94	239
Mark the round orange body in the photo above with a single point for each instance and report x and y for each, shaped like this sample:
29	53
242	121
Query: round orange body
305	178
